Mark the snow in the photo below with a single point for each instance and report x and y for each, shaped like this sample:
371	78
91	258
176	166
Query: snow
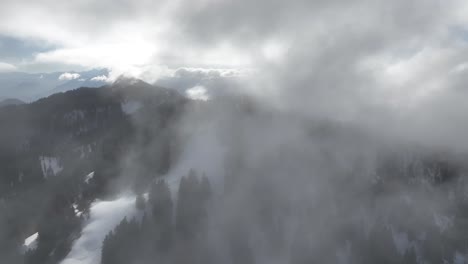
50	164
104	217
31	241
77	212
130	107
89	177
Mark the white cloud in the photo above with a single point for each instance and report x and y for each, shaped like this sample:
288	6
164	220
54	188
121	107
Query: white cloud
67	76
198	93
100	78
6	67
212	73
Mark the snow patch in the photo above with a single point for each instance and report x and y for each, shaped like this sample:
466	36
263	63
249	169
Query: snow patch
77	212
50	166
89	177
31	241
104	217
130	107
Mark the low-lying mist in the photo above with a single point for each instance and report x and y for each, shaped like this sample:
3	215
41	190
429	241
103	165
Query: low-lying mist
289	187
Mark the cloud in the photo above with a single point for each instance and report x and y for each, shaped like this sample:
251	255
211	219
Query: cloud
396	69
6	67
360	61
68	76
198	93
100	78
216	81
210	73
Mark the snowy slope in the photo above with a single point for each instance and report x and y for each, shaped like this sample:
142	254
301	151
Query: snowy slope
89	177
104	216
31	242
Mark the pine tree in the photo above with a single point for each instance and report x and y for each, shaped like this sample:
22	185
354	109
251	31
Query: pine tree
162	211
192	200
161	203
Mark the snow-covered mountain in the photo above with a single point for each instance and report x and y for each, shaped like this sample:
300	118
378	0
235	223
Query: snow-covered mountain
48	149
135	173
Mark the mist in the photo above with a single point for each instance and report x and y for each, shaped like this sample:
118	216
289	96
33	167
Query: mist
299	188
253	131
289	186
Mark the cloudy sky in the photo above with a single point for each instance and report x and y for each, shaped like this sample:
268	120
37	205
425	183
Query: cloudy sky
356	54
143	35
133	37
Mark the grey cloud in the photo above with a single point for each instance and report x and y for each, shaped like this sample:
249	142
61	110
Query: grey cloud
352	64
319	67
217	82
327	42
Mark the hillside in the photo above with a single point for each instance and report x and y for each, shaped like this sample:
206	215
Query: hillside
133	173
48	147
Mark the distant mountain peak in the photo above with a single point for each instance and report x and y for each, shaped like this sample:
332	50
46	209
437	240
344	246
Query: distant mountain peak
11	101
133	88
125	81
